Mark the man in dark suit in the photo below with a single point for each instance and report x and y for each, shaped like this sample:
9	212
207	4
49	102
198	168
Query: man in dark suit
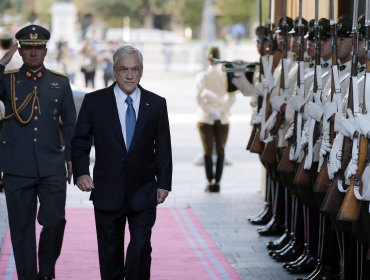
133	165
35	139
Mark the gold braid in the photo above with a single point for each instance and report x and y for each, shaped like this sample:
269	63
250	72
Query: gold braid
31	96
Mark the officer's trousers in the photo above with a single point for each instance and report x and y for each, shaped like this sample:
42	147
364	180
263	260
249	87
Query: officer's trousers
22	196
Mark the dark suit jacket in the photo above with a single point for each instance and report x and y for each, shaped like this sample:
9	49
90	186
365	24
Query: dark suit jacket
119	176
41	147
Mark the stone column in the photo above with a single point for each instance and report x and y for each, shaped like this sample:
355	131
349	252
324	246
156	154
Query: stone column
63	22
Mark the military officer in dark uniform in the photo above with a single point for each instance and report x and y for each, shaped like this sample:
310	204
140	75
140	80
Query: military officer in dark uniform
35	141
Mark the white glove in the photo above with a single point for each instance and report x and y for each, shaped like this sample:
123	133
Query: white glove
243	85
335	156
277	101
362	122
348	126
257	118
297	102
315	111
353	164
260	89
290	131
325	145
272	123
330	109
304	139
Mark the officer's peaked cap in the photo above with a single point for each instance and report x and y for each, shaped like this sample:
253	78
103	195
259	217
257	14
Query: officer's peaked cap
289	23
344	26
33	35
294	30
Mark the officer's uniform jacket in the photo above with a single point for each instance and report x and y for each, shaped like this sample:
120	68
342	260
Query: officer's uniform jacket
41	147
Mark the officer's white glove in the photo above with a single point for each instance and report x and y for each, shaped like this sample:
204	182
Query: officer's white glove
297	102
325	145
363	124
304	139
315	111
348	126
257	118
330	108
290	131
243	85
277	101
335	156
260	89
353	164
271	122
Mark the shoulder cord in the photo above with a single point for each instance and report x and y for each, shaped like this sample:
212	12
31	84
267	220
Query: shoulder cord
31	96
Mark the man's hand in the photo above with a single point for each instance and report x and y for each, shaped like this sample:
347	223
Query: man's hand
69	171
297	102
9	54
315	111
85	183
161	195
277	101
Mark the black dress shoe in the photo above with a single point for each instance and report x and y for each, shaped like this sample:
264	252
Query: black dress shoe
305	266
289	255
296	261
272	228
263	212
315	274
280	242
282	249
262	220
212	188
45	278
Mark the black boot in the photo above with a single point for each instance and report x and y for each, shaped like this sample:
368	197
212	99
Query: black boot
208	165
263	217
280	242
219	169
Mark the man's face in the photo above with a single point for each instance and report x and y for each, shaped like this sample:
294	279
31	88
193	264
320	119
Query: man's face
128	72
344	47
326	49
33	56
311	51
280	41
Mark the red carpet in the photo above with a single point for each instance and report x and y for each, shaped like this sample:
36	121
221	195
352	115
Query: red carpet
182	249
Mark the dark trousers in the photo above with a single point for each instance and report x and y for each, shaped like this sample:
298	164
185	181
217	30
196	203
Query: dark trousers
211	135
21	198
110	228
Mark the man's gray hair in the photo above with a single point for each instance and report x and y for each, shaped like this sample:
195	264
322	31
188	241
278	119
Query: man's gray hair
127	50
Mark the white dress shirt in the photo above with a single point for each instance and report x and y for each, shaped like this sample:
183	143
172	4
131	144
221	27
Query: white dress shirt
122	105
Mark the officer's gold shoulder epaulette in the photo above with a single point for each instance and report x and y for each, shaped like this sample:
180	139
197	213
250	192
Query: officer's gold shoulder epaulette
57	73
11	71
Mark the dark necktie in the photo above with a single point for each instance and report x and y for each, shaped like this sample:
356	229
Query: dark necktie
130	121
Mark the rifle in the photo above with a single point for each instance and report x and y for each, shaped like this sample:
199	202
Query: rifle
260	98
323	181
286	163
269	154
334	198
257	145
302	176
363	141
350	208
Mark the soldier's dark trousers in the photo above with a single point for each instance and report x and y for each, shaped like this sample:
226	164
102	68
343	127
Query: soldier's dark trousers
21	197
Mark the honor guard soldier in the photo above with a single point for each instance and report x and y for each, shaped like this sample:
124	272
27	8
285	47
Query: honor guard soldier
35	144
